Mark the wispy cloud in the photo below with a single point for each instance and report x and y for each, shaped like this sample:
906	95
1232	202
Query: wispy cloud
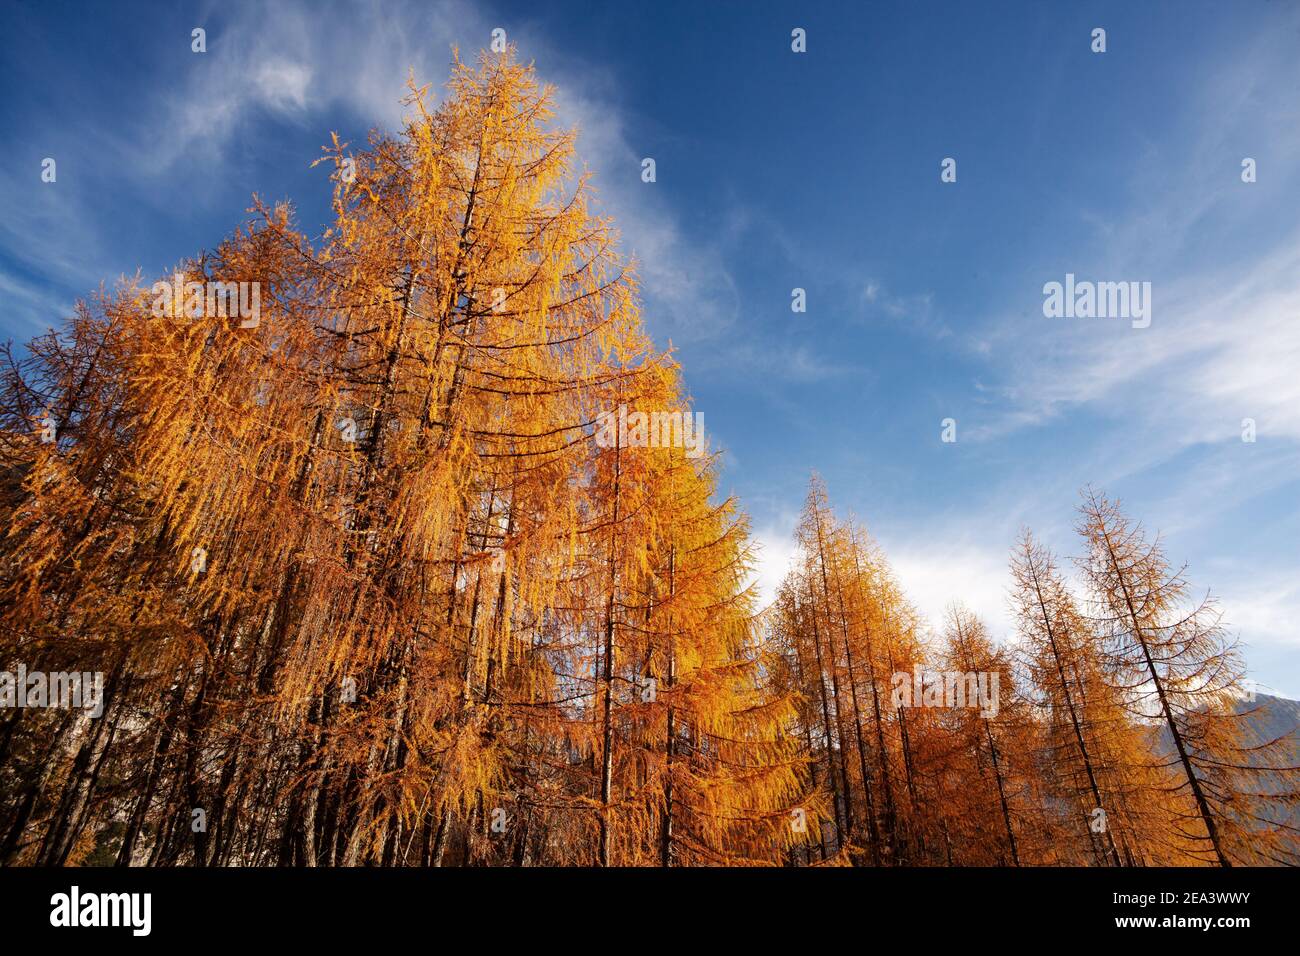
291	59
1220	348
1224	342
685	279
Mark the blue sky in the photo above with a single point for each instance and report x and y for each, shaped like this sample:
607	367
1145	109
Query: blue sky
819	170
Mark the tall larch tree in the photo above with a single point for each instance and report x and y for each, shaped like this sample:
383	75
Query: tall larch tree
1184	674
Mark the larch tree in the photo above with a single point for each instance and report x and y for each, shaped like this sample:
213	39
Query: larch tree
980	711
1183	674
365	585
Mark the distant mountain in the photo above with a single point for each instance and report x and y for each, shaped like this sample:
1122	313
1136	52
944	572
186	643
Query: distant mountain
1268	717
1273	717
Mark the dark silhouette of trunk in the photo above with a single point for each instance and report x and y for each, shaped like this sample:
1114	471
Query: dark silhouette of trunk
607	726
835	680
666	831
31	794
826	727
162	745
